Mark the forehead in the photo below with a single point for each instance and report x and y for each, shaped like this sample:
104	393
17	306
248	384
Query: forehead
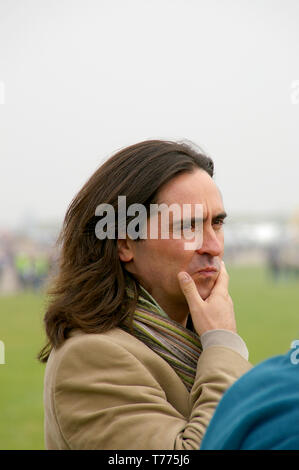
192	188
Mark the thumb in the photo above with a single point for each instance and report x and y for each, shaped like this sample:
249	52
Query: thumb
189	290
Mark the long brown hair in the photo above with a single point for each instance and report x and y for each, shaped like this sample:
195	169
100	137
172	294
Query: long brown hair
88	291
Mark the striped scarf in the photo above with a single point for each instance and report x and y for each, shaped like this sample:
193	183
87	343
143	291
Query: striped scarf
179	346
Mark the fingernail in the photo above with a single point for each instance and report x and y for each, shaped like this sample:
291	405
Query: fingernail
184	277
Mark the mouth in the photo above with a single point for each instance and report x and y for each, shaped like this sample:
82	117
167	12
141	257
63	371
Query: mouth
207	271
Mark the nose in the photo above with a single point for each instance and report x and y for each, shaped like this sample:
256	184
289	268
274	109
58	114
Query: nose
212	243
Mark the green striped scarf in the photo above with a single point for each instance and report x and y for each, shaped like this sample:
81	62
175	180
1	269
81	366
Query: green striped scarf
179	346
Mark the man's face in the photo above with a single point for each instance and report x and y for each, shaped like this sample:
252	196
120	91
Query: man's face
155	263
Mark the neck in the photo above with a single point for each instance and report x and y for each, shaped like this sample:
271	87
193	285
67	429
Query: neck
175	311
176	308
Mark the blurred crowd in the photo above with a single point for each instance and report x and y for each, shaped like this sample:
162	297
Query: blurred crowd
283	261
24	264
31	270
29	258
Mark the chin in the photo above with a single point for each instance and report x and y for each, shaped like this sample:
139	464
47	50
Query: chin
204	291
204	295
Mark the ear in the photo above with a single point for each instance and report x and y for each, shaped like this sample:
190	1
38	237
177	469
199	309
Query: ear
125	251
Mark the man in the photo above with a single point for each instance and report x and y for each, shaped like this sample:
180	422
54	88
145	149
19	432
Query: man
142	333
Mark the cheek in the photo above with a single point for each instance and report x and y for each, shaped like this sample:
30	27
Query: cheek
221	241
150	256
174	256
169	255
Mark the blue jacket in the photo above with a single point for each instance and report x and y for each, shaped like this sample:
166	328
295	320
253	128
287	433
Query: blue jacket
261	409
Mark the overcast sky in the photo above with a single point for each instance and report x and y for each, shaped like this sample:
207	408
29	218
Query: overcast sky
80	79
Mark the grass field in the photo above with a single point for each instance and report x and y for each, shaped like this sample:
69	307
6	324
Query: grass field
267	316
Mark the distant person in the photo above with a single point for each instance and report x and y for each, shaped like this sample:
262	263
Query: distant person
25	269
41	269
274	261
137	358
260	411
2	263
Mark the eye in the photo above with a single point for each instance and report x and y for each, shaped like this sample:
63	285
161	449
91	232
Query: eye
218	223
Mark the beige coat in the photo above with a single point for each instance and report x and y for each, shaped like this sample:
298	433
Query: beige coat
111	391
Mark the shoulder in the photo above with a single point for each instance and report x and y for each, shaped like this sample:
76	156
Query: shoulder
115	354
91	350
272	375
93	347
